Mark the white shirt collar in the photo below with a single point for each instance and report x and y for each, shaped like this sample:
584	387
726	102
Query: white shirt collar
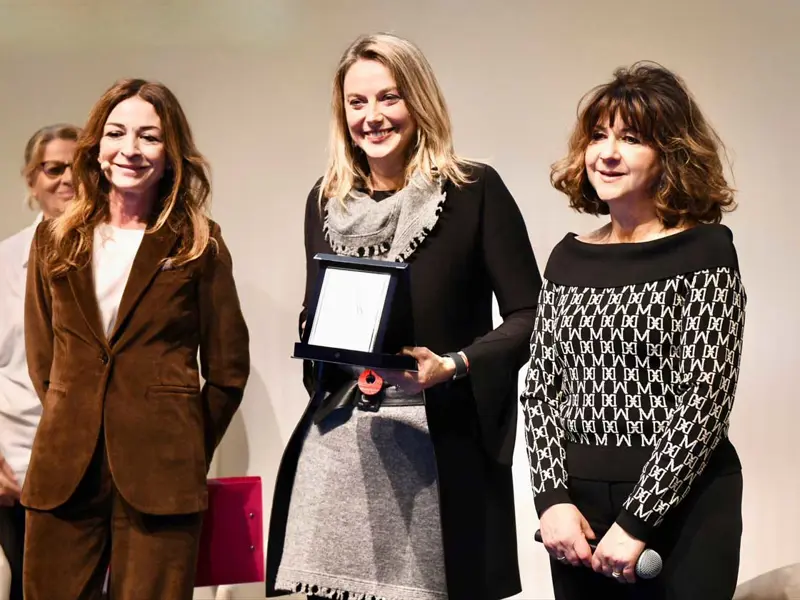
26	250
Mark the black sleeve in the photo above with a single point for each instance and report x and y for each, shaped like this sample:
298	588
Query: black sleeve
496	358
312	231
712	327
541	401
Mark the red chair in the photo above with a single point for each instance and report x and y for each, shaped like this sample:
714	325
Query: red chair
232	539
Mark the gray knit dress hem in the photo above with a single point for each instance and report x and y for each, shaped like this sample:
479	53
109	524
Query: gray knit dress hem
326	587
364	520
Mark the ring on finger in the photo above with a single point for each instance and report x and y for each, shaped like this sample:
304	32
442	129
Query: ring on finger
616	574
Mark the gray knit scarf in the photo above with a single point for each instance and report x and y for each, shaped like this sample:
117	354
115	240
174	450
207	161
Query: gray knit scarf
389	229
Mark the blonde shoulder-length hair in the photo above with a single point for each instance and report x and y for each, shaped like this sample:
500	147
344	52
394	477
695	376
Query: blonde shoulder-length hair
432	154
35	149
183	193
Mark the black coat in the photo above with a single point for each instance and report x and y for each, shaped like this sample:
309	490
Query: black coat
478	247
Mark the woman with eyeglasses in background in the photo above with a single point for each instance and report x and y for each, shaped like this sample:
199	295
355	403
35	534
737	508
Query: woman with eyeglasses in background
48	175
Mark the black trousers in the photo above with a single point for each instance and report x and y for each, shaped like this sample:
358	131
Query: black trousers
12	540
699	542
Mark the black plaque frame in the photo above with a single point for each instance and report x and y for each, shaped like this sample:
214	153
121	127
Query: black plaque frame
396	325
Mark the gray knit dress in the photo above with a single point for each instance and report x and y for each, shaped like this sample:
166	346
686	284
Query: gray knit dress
364	516
364	520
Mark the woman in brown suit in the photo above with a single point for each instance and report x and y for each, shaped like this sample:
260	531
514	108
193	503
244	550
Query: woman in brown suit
123	291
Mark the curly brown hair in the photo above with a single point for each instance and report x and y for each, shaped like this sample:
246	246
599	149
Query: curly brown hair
650	99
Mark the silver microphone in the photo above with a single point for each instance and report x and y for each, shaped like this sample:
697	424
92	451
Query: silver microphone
648	565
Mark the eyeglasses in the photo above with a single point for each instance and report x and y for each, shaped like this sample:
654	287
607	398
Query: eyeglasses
55	168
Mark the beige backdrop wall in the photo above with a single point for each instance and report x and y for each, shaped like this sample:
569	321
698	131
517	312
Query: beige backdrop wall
254	78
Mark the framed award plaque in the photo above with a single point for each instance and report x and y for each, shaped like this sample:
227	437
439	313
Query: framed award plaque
360	314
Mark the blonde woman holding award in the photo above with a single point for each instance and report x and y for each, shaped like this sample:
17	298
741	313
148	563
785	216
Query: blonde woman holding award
397	484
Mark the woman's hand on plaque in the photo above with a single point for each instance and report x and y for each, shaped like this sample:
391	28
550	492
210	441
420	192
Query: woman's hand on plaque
432	369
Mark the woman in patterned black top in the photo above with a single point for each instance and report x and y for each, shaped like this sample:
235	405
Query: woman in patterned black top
635	354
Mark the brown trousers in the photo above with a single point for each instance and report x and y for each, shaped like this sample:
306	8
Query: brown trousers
68	550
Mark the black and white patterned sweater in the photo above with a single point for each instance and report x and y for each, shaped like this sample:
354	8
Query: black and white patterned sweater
634	365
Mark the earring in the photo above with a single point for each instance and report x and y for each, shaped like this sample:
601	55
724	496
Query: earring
436	175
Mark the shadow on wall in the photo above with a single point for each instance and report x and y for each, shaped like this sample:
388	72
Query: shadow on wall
233	458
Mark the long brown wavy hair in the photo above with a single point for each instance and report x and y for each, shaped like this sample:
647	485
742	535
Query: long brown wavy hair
691	187
183	194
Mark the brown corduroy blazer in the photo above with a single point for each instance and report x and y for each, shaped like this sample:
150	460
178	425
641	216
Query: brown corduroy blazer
140	387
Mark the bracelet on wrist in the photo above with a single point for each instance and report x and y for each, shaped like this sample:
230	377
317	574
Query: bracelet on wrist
461	365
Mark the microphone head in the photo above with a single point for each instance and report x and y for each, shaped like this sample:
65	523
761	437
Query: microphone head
105	166
649	564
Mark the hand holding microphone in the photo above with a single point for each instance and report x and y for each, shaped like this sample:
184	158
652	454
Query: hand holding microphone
567	532
648	565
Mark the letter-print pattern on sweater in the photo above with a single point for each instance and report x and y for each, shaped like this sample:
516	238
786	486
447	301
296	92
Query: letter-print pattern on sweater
651	365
